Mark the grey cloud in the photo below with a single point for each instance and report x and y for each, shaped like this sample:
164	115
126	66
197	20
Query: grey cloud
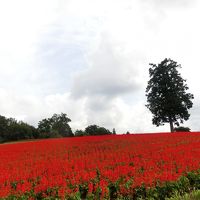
102	111
108	73
101	84
108	76
98	104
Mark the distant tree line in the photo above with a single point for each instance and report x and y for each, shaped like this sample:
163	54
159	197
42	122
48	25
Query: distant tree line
94	130
54	127
11	129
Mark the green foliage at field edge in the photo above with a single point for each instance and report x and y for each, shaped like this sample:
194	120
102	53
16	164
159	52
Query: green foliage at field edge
186	188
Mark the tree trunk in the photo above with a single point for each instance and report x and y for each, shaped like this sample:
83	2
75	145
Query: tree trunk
171	125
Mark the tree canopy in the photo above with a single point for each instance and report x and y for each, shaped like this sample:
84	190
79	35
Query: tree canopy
56	126
11	129
167	98
96	130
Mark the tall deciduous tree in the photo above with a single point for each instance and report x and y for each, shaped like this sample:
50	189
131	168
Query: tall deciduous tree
57	125
166	94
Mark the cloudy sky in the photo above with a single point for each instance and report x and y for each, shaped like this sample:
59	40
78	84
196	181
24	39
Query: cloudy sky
90	59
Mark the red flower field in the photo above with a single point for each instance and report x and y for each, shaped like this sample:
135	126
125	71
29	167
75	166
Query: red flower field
64	167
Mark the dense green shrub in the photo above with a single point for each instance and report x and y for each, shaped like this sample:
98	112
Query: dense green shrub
182	129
